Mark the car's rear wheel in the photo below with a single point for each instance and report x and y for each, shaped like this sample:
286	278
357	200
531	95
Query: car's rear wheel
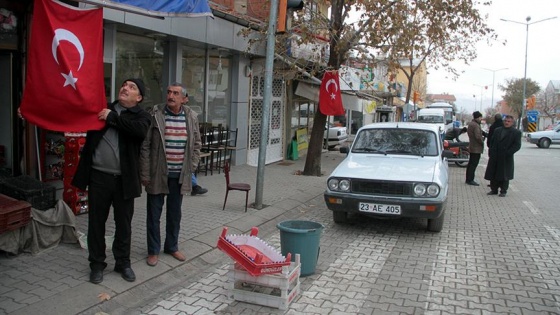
340	216
545	143
436	225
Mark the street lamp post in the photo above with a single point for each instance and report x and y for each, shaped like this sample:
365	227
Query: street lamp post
527	19
493	79
481	87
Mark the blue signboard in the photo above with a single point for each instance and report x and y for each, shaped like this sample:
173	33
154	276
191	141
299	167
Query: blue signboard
532	113
531	118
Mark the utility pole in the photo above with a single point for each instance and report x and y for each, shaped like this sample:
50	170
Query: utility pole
527	19
267	100
493	80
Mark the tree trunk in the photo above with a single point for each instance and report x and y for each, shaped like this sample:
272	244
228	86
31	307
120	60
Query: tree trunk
313	158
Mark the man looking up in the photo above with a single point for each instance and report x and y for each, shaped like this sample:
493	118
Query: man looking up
109	166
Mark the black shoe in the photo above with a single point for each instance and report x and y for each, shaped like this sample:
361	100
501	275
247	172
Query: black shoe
126	273
197	190
472	183
502	194
492	193
96	276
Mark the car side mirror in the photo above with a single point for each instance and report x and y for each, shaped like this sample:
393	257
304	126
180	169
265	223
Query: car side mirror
344	149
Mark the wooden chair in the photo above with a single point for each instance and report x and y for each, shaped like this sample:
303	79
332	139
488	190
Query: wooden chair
217	146
230	144
206	155
235	186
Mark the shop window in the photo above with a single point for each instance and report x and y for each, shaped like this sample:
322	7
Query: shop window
193	78
140	57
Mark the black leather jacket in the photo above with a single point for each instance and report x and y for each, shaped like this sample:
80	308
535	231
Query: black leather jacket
132	125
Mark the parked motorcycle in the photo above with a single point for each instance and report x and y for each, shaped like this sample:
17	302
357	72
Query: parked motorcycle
457	152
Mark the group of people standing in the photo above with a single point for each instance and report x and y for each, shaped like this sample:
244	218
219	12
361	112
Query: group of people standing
158	148
503	141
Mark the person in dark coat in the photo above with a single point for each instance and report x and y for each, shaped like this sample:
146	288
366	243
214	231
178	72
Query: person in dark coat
498	122
476	147
109	168
504	143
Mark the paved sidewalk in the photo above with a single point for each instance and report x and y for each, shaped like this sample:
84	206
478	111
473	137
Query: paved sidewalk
56	280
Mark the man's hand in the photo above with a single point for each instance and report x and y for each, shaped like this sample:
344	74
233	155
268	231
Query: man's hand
102	115
145	182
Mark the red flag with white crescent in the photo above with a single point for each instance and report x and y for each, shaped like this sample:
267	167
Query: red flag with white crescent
64	87
330	99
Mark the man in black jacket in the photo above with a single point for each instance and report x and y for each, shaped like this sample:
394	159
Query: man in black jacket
504	143
109	165
498	122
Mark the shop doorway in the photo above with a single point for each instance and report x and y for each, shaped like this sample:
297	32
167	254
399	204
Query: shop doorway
275	143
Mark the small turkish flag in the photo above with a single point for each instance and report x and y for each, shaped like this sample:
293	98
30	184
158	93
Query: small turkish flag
330	99
64	87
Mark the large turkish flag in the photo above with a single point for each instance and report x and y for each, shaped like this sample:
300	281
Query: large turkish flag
330	99
64	87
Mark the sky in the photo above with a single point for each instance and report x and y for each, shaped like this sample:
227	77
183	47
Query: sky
543	54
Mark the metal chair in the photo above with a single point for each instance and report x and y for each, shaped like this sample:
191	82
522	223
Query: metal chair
235	186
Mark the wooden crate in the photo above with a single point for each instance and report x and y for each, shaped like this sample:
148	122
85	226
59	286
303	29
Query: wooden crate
272	290
13	213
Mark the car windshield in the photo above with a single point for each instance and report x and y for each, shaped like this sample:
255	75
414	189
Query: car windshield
431	119
396	141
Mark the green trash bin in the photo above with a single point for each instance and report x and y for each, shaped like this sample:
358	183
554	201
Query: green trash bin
303	238
293	153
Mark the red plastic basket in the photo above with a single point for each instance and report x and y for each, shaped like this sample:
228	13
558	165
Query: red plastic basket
252	253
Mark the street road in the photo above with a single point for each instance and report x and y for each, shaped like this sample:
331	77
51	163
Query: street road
494	256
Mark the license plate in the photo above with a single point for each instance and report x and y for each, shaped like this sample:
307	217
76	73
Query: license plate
380	208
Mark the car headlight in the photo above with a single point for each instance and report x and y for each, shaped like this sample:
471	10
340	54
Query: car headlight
426	190
339	184
419	190
333	184
344	185
433	190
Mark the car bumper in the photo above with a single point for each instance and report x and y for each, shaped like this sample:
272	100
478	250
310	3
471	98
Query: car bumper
533	140
337	141
410	208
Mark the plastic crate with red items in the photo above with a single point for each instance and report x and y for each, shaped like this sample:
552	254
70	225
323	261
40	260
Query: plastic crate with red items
252	253
13	213
76	199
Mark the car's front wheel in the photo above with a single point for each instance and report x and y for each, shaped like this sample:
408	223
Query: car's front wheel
436	225
340	216
544	143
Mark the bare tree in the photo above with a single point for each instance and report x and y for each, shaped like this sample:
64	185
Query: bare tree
513	89
413	31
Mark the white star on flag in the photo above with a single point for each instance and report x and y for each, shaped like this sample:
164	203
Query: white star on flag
70	80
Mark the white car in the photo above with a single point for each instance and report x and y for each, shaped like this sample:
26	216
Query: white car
394	169
334	136
543	139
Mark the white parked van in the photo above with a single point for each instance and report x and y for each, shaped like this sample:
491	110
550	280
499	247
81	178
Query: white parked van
432	116
448	111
